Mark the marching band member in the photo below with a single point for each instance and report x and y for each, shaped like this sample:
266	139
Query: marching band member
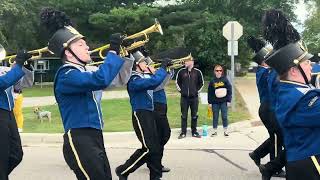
298	106
74	88
160	105
140	89
267	117
11	149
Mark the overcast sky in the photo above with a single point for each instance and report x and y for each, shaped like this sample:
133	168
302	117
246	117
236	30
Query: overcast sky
302	15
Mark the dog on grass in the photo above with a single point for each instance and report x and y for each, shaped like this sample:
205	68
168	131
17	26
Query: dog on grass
42	114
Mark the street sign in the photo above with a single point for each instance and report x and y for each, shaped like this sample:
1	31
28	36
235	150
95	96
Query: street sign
232	26
232	31
235	48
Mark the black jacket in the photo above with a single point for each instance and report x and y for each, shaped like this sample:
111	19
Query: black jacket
189	84
217	83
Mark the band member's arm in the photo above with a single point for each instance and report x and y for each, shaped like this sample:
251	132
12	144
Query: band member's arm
123	76
200	81
164	82
178	81
308	113
139	84
27	80
74	81
11	77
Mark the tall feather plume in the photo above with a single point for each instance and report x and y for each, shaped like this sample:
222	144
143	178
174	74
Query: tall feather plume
54	19
278	30
255	43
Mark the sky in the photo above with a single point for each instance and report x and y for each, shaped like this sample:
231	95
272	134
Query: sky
302	15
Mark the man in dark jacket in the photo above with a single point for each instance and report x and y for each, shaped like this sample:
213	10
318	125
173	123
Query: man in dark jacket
189	83
219	97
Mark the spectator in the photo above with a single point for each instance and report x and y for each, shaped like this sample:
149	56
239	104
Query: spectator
189	83
219	98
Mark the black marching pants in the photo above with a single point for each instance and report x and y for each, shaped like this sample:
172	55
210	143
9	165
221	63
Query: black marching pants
185	103
145	128
10	144
274	144
305	169
84	152
162	124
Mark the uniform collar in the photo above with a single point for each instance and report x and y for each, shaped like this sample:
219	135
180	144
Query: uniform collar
294	83
76	65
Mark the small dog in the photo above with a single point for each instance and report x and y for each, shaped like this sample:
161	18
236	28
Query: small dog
42	114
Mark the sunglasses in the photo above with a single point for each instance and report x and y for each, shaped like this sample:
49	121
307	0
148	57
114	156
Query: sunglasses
218	70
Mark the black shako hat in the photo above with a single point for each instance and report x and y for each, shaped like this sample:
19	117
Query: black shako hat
288	56
60	26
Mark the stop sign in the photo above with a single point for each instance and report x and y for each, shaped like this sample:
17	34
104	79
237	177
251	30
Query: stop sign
232	30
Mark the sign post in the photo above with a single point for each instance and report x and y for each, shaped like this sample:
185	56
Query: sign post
232	31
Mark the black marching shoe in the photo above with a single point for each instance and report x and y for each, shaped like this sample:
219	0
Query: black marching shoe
121	177
281	174
165	169
264	172
196	135
256	161
182	135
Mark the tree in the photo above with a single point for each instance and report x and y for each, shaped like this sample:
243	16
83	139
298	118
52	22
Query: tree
311	34
195	24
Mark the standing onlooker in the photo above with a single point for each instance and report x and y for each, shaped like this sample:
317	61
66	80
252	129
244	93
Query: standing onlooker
219	98
189	83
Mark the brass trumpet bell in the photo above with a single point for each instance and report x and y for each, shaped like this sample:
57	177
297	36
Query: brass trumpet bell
156	27
2	52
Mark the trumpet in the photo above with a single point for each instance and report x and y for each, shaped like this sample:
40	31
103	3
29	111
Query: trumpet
175	63
124	50
36	54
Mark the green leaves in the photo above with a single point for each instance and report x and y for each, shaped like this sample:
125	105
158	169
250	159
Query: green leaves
195	24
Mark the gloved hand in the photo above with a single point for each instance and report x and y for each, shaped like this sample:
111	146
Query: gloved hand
28	66
165	63
144	51
127	42
115	42
22	56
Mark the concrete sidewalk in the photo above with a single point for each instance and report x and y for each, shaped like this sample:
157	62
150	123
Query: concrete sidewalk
248	90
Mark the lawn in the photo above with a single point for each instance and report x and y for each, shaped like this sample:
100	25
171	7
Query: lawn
37	91
117	114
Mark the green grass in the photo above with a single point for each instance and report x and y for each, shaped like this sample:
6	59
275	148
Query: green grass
37	91
117	115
